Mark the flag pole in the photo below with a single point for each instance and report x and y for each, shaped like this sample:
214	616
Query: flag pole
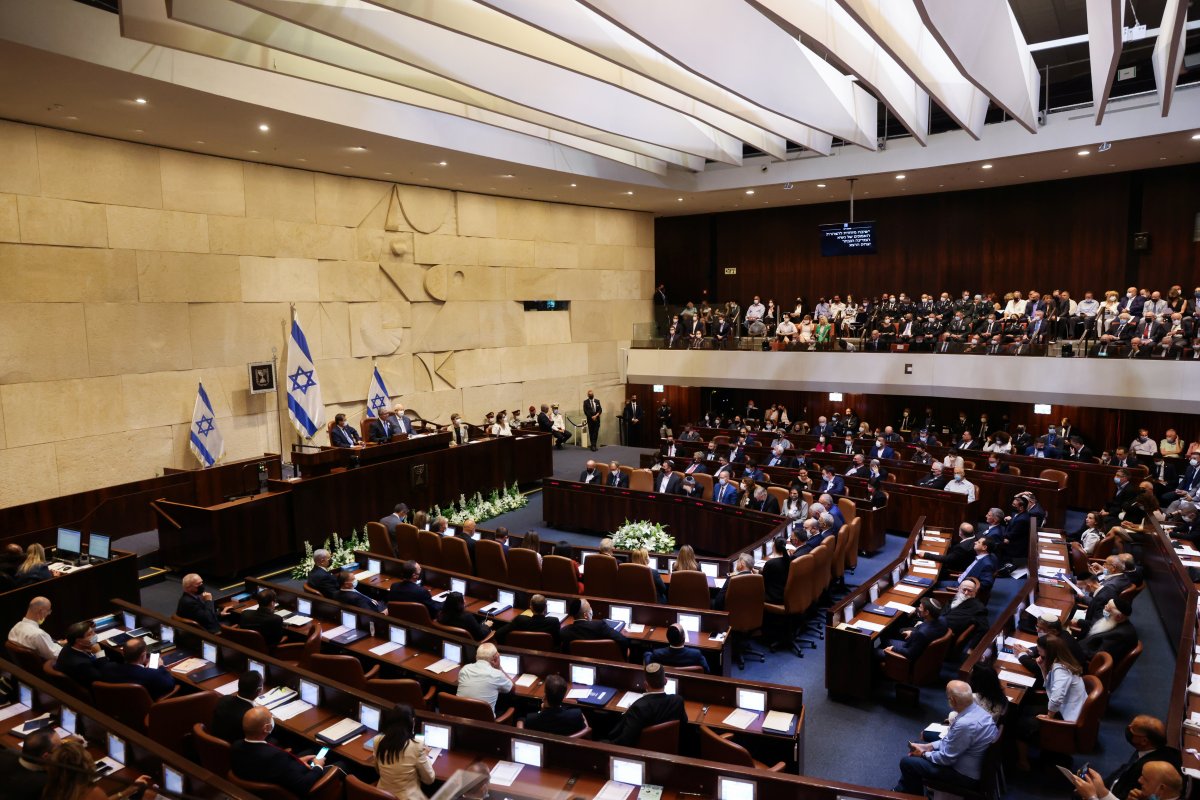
280	393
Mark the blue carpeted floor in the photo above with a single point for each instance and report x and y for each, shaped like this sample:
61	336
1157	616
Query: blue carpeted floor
831	725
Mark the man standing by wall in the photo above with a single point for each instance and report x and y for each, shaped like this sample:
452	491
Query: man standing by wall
592	411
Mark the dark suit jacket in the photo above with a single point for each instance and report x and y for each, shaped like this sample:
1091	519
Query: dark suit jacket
589	629
969	611
157	681
673	483
563	721
725	494
921	637
860	472
467	622
775	572
957	557
629	413
202	612
266	763
381	432
227	717
344	436
812	543
880	452
406	592
1125	778
545	424
534	624
357	599
1117	642
597	478
622	480
768	506
1017	534
20	783
321	580
932	481
1001	468
699	469
836	486
1123	498
269	624
647	710
80	667
676	657
1109	590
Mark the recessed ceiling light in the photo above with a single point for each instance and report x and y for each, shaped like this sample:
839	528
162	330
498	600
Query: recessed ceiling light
199	141
820	186
442	163
264	127
141	101
749	191
986	166
509	175
1084	153
254	151
679	199
72	117
1065	171
387	173
629	192
940	185
1196	137
138	130
302	159
573	185
901	176
358	149
347	166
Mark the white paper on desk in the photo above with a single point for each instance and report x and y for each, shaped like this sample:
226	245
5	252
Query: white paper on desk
614	790
904	587
924	571
1189	563
868	626
109	634
385	648
1010	657
634	627
740	718
929	537
227	688
442	665
298	620
924	562
900	606
778	721
575	694
1194	687
332	632
13	709
189	665
365	575
921	552
1037	611
289	710
527	680
628	699
505	772
1017	678
1051	556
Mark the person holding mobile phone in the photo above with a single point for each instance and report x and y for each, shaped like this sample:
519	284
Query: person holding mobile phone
1158	780
255	759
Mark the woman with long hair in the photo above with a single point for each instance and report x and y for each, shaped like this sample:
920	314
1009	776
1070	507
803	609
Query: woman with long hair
403	762
642	556
1065	693
686	560
34	568
533	541
565	550
71	775
454	614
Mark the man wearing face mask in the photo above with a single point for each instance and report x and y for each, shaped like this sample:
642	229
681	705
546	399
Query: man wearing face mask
409	589
1120	331
1148	738
1078	451
1186	488
592	410
1159	781
725	492
348	594
960	485
1113	633
1125	495
881	449
28	632
255	759
197	605
1143	446
80	659
1113	580
1043	449
996	465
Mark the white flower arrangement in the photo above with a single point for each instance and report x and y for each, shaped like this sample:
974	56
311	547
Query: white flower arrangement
477	508
340	552
652	536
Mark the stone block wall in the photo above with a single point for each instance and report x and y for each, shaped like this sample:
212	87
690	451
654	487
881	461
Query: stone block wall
129	272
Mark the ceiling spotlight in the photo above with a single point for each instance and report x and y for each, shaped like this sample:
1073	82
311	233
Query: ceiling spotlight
141	101
1196	137
358	149
986	166
441	163
820	186
629	192
749	191
901	176
573	185
264	127
679	199
1084	153
1104	147
508	175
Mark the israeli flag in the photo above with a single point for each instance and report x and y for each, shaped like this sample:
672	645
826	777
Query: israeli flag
205	440
305	408
377	395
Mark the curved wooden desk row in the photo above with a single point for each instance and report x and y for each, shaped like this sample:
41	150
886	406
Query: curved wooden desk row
79	594
480	592
338	700
710	527
1086	480
849	643
143	755
423	647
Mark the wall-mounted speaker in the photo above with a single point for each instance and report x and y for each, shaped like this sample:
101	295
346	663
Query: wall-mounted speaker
1141	242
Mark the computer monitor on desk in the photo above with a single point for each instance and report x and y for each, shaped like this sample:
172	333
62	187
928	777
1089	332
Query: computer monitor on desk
68	545
98	547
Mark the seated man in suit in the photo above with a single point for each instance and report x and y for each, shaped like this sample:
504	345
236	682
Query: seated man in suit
197	605
383	427
616	478
319	577
545	423
961	553
263	618
935	479
743	565
764	501
584	628
667	482
535	622
653	707
676	653
253	758
690	488
929	628
725	491
697	464
409	590
231	709
343	435
24	772
965	609
467	533
982	566
1148	738
552	717
1101	588
881	449
80	658
1113	633
831	483
858	467
348	594
1014	542
135	670
590	474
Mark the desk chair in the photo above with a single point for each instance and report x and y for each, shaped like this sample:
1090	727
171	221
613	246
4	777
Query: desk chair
524	569
1056	475
531	640
1121	668
402	690
635	584
1101	666
705	482
822	572
583	733
558	575
910	674
415	613
991	776
60	680
127	703
661	738
641	480
744	600
1079	559
490	561
211	751
329	787
689	589
300	652
721	749
342	669
406	541
1060	736
456	557
307	588
172	719
606	649
378	540
358	790
469	708
798	595
246	637
24	658
600	575
429	548
1105	547
462	633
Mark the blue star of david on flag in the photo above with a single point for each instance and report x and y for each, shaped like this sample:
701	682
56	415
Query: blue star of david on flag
302	375
305	408
377	395
204	439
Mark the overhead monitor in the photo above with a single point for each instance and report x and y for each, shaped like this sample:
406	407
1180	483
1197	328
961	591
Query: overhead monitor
848	239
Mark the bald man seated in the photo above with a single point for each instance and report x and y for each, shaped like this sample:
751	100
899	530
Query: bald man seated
1147	736
956	758
28	632
1158	780
255	759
